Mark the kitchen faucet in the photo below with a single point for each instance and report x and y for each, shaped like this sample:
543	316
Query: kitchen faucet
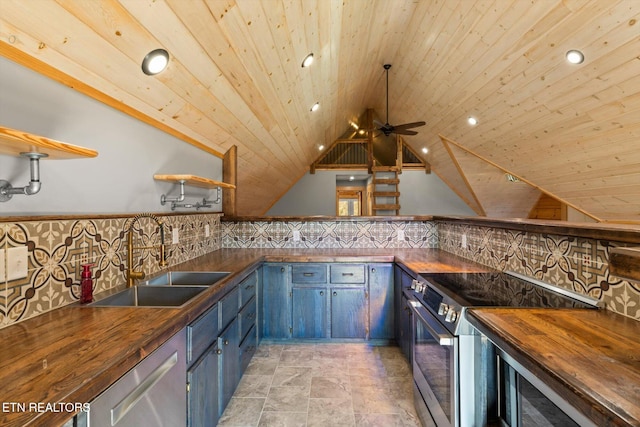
133	275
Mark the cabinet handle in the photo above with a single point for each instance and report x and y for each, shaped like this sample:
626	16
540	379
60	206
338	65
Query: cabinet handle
373	270
281	269
347	274
307	274
226	342
218	351
321	293
335	293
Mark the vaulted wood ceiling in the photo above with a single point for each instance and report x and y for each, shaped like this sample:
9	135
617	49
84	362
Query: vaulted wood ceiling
235	78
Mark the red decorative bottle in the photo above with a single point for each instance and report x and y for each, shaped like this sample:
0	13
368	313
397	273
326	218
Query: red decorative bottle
86	285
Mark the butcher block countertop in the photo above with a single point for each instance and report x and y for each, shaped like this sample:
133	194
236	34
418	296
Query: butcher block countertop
590	357
70	355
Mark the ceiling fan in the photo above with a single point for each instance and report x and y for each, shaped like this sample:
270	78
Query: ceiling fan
388	129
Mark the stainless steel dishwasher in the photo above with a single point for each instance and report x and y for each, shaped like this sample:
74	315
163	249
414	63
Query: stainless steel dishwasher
151	394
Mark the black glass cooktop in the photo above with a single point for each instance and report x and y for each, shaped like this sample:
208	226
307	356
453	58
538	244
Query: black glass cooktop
498	290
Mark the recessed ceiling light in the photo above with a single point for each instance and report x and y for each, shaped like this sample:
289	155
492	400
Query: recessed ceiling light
315	106
155	62
308	60
472	121
321	147
575	56
425	150
351	178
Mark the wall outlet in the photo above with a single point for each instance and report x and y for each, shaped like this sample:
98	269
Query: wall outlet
400	235
175	237
463	241
207	232
3	276
17	263
296	235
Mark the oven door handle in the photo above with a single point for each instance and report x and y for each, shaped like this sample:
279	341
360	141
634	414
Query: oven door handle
431	325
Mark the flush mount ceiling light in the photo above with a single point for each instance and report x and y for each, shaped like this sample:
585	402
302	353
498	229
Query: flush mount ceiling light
575	56
315	106
321	147
308	60
472	121
155	62
425	150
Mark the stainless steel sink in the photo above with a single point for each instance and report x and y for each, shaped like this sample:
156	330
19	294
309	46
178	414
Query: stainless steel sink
151	296
187	278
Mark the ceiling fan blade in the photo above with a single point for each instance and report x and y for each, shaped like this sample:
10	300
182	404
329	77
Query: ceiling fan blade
404	132
409	125
378	124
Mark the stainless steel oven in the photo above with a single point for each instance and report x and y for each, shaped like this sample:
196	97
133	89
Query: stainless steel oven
454	366
435	370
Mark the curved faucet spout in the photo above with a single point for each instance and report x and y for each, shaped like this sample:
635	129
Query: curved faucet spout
133	275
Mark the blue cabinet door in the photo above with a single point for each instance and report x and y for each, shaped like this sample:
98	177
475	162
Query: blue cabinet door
202	390
229	364
309	312
348	313
381	302
276	302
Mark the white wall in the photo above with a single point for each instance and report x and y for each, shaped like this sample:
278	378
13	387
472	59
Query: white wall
119	180
420	194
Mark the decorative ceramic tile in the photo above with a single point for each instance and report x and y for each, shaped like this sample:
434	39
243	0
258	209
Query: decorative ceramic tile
57	250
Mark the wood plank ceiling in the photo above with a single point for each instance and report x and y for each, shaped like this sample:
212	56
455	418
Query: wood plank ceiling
235	78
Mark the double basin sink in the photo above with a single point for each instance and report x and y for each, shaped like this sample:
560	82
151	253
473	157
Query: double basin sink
172	289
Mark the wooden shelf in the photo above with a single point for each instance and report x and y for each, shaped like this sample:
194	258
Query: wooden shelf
193	180
14	142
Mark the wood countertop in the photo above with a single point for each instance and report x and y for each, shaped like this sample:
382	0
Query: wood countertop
590	357
72	354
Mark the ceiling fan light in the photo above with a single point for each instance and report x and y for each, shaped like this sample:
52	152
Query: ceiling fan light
315	106
307	61
575	56
155	62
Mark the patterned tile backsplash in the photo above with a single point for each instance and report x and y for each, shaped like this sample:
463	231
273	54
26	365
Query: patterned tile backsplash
58	248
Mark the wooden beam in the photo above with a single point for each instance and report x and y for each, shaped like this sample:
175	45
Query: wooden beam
369	140
399	142
40	67
446	140
464	177
230	176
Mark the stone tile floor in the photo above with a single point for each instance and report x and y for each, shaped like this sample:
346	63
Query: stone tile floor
324	385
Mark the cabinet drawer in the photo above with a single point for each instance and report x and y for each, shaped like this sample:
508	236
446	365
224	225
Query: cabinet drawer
201	333
348	273
309	273
228	307
247	350
247	317
248	288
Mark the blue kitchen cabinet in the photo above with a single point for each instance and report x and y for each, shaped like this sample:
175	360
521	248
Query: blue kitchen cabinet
349	313
381	302
309	312
202	390
276	301
403	313
202	372
229	364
